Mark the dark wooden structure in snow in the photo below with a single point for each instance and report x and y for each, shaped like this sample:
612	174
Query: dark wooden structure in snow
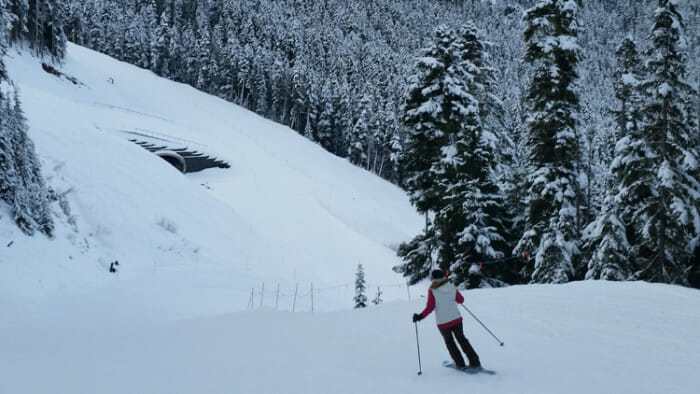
184	159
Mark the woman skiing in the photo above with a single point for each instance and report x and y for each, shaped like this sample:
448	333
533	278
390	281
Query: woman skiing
443	297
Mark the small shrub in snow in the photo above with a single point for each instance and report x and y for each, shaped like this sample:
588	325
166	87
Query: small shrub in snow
167	225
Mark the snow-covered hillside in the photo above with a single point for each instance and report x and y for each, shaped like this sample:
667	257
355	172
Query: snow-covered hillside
286	211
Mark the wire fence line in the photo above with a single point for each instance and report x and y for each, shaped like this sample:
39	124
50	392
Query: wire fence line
258	296
264	296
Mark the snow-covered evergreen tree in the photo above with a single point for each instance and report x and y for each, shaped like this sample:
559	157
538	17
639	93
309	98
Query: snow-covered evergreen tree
428	115
8	173
160	54
21	184
395	153
5	26
417	255
552	216
360	288
19	10
475	193
658	163
448	107
325	130
202	54
436	110
628	75
605	239
40	23
31	195
359	134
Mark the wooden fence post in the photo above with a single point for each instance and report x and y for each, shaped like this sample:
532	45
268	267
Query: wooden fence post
262	294
277	298
294	305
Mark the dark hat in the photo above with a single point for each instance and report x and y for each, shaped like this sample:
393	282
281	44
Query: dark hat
437	274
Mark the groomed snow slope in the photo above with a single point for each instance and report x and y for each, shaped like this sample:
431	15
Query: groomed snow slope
286	211
580	338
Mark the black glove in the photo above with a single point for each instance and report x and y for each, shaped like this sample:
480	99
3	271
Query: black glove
417	317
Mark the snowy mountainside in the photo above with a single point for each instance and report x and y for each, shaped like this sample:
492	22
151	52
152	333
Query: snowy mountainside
286	211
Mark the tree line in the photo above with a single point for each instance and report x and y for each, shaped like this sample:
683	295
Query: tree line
649	224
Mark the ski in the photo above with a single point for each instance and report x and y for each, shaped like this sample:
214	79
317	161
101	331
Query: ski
471	371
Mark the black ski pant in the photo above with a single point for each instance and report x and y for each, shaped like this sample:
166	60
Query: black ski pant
449	334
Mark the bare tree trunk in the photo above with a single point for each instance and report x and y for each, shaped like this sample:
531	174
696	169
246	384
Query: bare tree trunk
36	27
374	161
662	198
381	166
662	247
283	117
589	186
369	153
697	99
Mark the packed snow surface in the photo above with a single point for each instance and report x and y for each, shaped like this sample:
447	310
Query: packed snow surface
586	337
175	317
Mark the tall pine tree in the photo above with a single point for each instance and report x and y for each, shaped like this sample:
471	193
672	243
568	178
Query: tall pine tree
428	116
475	194
658	163
552	213
358	136
436	110
451	160
160	49
605	238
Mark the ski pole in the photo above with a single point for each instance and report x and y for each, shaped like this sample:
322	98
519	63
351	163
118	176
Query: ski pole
420	369
482	325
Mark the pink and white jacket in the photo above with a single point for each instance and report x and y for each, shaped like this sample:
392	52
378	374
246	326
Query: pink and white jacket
443	297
